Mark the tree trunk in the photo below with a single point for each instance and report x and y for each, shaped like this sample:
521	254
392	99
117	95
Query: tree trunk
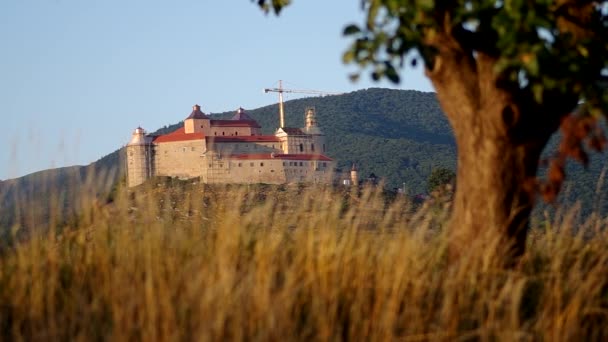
495	190
500	133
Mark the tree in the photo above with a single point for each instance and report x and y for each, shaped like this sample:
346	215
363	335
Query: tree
440	177
508	74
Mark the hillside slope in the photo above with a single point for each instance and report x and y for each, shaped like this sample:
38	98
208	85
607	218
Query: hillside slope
42	199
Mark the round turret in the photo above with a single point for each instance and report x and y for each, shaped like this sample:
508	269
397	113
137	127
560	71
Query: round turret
139	158
138	137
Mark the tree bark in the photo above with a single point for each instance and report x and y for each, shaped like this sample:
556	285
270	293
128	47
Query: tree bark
500	139
494	189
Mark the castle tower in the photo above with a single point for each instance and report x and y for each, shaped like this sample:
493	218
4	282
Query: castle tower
139	158
354	175
310	118
197	121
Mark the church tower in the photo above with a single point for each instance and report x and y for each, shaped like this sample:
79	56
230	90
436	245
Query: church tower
139	158
318	144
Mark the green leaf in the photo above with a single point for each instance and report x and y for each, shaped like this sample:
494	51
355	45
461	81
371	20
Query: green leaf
351	29
391	73
348	56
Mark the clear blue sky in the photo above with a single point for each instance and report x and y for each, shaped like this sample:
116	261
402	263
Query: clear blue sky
76	76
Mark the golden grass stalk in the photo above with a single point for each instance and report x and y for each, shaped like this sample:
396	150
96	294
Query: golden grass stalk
267	263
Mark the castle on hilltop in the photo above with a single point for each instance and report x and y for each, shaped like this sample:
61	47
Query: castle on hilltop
231	151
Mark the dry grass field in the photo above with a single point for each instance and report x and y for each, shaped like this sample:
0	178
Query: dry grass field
237	263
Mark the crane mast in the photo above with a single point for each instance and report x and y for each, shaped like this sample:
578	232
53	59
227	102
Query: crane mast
281	90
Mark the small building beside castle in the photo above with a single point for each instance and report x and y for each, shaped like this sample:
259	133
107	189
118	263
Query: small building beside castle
231	151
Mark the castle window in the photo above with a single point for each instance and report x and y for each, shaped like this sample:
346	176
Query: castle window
250	164
222	133
183	149
324	164
192	149
301	147
261	164
214	133
312	147
284	163
240	164
236	133
202	126
301	164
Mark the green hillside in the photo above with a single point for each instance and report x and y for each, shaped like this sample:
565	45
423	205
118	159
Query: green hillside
399	135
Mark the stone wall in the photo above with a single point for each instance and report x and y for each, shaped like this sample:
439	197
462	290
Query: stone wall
232	131
312	171
204	126
224	170
298	145
270	171
246	147
183	159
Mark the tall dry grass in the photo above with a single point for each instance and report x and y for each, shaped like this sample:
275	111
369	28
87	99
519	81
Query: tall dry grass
238	263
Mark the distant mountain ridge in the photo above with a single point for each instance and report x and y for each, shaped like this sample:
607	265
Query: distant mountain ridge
399	135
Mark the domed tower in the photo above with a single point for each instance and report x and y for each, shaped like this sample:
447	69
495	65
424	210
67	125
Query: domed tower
354	175
139	158
318	138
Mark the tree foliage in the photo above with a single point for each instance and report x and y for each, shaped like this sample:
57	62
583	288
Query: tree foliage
440	177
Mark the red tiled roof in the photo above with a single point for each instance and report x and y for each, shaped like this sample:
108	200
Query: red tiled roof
244	138
281	156
234	123
178	135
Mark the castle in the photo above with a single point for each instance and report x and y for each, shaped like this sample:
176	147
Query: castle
231	151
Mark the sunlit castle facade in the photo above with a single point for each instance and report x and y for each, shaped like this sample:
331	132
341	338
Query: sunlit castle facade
231	151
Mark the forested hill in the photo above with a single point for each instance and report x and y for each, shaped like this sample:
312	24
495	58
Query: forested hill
399	135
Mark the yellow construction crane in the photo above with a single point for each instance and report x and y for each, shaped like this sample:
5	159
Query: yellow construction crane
281	90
